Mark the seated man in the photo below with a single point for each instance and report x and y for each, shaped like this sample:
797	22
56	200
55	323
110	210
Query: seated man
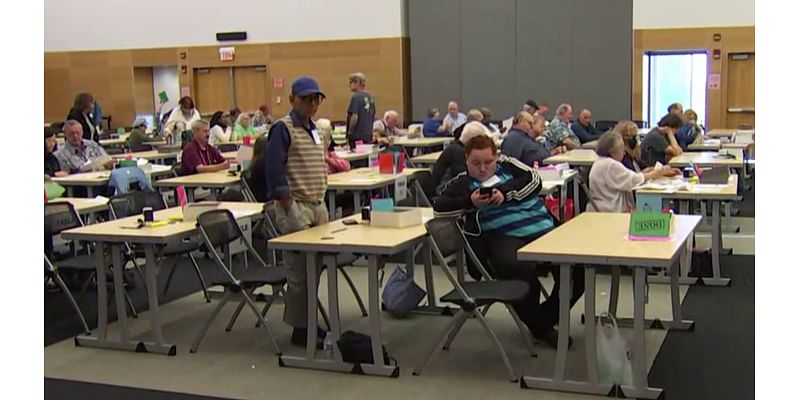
473	115
560	133
521	143
497	225
660	144
198	155
389	125
584	128
79	154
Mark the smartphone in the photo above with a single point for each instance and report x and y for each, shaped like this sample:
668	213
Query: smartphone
350	222
486	191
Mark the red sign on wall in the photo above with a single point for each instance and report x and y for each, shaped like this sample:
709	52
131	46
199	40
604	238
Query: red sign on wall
277	82
226	53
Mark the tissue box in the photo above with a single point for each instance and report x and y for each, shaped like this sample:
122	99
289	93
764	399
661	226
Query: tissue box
552	172
363	148
401	217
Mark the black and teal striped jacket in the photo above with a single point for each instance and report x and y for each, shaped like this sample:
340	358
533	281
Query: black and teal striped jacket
522	214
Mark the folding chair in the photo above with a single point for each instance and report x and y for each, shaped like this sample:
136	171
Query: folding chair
219	229
129	204
59	217
226	147
446	239
604	125
51	271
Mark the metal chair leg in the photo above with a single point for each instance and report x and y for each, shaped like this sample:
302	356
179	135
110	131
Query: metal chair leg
324	315
276	292
454	332
263	321
523	330
235	316
613	298
128	300
207	324
354	290
65	289
460	316
485	309
200	277
511	374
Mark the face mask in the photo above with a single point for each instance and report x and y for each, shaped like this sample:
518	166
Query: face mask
631	141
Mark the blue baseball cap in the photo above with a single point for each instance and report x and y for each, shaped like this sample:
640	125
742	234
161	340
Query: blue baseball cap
304	86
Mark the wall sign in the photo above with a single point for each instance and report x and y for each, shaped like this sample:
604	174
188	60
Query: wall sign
277	82
226	53
714	81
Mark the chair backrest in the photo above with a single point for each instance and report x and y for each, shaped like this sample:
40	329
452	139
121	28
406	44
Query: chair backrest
218	227
604	125
132	203
249	196
60	216
446	235
641	124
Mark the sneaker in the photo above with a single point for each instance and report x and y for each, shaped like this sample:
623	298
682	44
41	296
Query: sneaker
299	337
550	338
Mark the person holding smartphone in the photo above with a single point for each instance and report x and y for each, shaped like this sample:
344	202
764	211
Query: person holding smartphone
498	199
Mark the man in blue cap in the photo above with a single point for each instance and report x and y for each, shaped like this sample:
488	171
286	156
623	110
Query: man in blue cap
297	181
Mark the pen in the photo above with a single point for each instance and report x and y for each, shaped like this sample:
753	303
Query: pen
338	230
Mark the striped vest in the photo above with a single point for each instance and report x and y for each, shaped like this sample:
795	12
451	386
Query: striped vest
305	164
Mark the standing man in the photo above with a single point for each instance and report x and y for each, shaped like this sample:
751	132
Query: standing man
584	129
360	112
297	180
453	119
560	133
521	143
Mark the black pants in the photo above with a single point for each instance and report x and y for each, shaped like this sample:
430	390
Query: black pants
499	255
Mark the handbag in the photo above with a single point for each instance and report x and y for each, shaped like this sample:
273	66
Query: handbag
356	348
401	294
613	353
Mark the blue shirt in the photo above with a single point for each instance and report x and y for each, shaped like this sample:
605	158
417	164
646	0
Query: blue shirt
431	127
362	104
278	141
521	146
523	219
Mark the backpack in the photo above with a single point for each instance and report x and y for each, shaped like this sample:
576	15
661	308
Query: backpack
356	348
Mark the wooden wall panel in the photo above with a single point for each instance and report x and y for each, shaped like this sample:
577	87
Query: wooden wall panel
733	39
143	96
109	75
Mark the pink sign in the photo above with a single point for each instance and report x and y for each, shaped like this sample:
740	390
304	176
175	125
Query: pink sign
185	91
182	198
714	81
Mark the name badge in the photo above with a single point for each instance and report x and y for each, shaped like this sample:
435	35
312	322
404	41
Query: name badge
494	180
316	136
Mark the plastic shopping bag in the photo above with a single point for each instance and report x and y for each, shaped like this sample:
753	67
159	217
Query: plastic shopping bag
613	353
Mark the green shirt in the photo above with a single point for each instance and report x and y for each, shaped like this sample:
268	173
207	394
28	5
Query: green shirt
136	138
239	131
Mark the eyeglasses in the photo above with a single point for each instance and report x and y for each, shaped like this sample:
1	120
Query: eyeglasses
312	98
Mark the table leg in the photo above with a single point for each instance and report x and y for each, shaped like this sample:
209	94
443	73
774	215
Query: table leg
333	303
558	382
90	192
576	188
332	205
639	389
716	248
562	203
119	291
356	202
71	191
589	326
150	272
678	323
190	195
312	280
377	367
102	301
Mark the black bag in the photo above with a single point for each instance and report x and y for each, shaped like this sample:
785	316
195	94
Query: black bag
356	348
701	264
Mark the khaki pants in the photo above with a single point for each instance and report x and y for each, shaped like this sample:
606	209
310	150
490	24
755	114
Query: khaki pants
300	215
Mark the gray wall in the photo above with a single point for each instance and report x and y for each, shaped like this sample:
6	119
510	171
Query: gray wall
500	53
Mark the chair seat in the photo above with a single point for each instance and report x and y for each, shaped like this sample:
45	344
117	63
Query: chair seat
85	262
489	292
180	248
258	276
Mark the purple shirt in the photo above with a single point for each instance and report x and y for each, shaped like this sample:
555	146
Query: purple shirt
193	156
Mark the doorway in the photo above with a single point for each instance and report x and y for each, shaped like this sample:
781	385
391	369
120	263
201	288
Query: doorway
673	77
244	87
741	91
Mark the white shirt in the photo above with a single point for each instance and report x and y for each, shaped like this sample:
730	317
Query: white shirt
177	116
217	135
611	186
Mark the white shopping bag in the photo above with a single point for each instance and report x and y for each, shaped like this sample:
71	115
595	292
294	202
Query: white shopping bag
613	353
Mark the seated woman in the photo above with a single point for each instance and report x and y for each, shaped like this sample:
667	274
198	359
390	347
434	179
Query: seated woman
497	225
52	167
633	150
431	126
258	170
610	183
243	128
333	162
452	160
138	136
220	128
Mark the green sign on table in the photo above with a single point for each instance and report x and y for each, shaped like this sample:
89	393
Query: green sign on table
650	224
121	130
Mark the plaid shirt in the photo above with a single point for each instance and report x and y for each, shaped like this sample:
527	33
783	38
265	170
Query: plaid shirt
559	130
73	158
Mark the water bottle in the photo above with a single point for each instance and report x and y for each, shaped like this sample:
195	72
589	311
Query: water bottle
328	344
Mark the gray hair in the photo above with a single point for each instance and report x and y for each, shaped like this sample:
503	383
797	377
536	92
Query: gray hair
608	143
325	128
199	124
471	130
390	113
69	124
563	108
359	78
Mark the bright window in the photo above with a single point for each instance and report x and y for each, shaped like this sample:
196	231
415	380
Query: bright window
673	77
